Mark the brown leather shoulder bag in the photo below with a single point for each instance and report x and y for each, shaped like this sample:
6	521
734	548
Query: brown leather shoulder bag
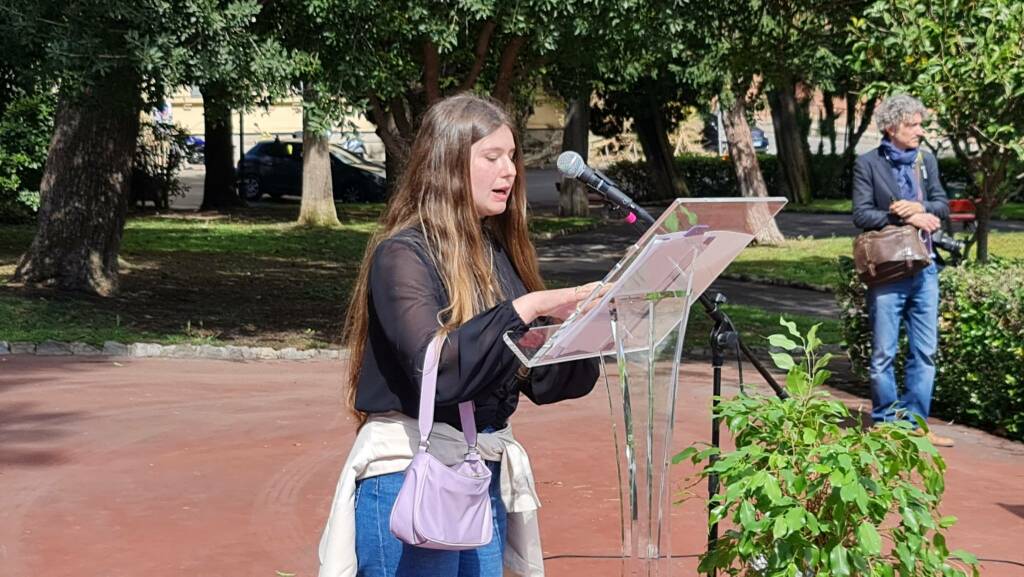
890	254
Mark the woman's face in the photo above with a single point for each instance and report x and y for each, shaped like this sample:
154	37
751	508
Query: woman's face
909	133
492	171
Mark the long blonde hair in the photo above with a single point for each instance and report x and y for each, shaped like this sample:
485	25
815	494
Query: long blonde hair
435	194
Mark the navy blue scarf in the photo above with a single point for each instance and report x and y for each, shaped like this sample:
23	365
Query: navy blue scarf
902	162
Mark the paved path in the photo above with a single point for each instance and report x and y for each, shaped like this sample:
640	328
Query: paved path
162	467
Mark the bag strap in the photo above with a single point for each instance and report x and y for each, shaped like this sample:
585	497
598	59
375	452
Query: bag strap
918	163
428	391
917	172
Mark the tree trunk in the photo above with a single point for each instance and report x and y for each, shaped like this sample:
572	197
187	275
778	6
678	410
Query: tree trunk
396	156
572	198
317	208
792	146
828	124
744	162
219	188
502	90
854	132
396	146
652	130
983	216
84	189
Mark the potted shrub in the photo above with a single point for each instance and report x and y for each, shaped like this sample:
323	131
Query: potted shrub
807	491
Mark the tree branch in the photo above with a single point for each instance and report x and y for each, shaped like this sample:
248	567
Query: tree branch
506	72
431	67
754	89
380	118
402	123
483	42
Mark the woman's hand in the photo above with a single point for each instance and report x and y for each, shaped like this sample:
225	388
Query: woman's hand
555	302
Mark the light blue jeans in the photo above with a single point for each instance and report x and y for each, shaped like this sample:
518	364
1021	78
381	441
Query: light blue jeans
381	554
913	302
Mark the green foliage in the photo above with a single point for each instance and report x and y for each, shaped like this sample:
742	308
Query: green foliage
25	129
965	61
714	176
157	44
981	343
158	159
806	493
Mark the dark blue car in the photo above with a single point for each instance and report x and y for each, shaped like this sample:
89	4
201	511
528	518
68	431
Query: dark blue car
274	168
709	137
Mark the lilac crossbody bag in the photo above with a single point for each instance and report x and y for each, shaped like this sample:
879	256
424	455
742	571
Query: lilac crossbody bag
441	507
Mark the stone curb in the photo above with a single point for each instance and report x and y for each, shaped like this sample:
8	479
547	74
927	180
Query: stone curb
152	350
777	282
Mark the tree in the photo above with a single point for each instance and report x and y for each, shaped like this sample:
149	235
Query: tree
653	105
301	26
572	194
395	58
110	60
795	46
965	61
620	50
236	63
722	67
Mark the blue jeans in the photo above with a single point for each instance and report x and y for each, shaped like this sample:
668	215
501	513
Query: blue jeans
381	554
912	301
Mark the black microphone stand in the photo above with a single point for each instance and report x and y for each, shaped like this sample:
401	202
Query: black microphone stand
723	336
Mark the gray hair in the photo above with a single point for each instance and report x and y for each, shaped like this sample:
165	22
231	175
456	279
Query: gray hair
897	109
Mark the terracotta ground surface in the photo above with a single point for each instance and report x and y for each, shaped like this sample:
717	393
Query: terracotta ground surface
186	467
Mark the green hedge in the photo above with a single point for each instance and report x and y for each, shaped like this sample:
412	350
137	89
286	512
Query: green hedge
708	175
980	365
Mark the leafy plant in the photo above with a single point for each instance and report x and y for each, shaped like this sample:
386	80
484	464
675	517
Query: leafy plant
808	492
25	128
158	160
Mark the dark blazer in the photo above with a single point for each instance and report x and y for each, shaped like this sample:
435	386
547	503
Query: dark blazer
874	189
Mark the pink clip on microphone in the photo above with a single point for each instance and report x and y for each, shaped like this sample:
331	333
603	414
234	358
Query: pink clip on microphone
630	218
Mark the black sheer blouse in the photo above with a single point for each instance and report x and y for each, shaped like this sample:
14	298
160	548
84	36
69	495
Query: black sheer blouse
406	294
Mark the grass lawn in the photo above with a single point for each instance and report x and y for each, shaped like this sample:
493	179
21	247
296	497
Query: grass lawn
1010	211
757	325
822	206
812	262
250	278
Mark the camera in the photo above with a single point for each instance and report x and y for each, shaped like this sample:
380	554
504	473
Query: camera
948	243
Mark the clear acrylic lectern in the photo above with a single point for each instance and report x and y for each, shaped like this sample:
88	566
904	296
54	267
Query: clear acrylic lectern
638	315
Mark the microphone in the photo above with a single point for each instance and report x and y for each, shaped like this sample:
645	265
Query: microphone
571	164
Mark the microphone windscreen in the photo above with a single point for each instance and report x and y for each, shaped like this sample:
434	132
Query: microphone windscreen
570	164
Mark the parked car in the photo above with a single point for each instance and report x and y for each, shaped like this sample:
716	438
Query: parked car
274	168
709	137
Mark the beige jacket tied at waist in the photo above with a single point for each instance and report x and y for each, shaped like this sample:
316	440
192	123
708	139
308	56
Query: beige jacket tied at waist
387	443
